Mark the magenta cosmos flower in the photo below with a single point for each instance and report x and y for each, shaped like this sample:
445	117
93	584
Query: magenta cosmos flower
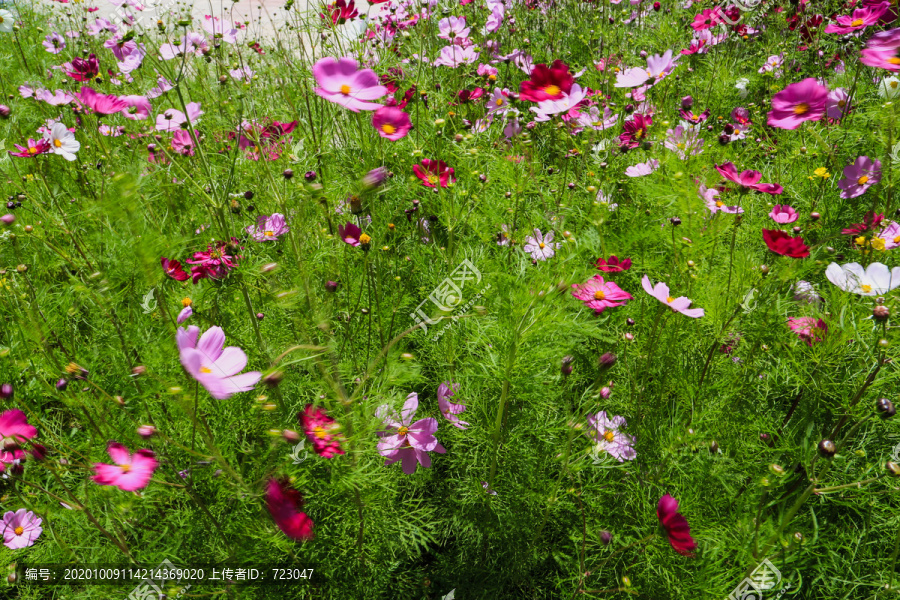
600	295
613	265
21	529
14	430
450	409
352	234
215	367
131	471
268	228
284	504
609	436
748	179
101	104
391	122
173	269
883	51
782	213
802	101
862	18
32	149
808	328
342	83
859	176
407	441
215	263
434	172
675	525
680	304
322	431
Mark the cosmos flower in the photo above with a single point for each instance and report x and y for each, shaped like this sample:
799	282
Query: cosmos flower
62	141
783	214
284	504
808	328
781	243
22	528
215	367
802	101
635	131
214	263
642	169
14	431
342	83
173	269
33	149
54	43
714	204
101	104
874	280
859	176
7	20
861	18
541	247
547	83
268	228
661	292
390	122
350	233
322	431
434	173
173	119
405	440
450	409
83	69
607	433
613	265
131	471
748	179
675	526
599	295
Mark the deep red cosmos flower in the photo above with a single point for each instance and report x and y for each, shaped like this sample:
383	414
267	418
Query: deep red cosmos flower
613	265
871	221
781	243
173	269
434	172
284	503
547	83
84	69
340	11
635	131
676	526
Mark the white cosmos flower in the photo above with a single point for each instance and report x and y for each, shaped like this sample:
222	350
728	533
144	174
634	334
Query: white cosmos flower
741	86
875	280
62	141
889	87
6	21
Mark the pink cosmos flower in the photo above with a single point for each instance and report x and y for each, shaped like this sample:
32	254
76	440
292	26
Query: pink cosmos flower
391	122
600	295
131	471
802	101
21	529
173	269
101	104
284	504
541	247
748	179
450	409
83	69
268	228
782	214
642	169
407	441
891	235
350	233
453	28
322	431
883	50
658	67
215	263
173	119
340	82
862	18
14	430
215	367
434	172
186	313
859	176
455	56
54	43
32	149
613	265
607	432
565	105
808	328
708	18
635	131
675	526
685	142
714	204
838	104
219	30
137	107
661	292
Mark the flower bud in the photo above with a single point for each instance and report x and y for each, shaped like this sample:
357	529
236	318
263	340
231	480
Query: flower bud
885	408
310	176
146	431
8	219
331	286
881	313
6	391
273	379
605	393
892	468
290	436
287	173
4	111
566	368
606	538
139	370
714	447
827	449
62	384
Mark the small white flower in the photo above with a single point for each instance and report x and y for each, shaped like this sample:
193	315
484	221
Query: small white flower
6	21
875	280
741	86
62	141
889	87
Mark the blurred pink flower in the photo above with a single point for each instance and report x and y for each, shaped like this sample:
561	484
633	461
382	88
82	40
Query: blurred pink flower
342	83
130	473
215	367
661	292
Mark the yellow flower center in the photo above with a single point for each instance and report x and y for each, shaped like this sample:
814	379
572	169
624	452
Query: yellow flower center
499	102
897	240
856	23
552	90
320	432
492	77
205	370
894	84
866	288
432	179
185	302
345	89
32	150
599	295
680	145
269	234
18	530
403	430
801	109
894	60
639	133
670	299
365	239
719	203
389	129
57	143
609	435
72	368
842	103
863	180
126	468
541	245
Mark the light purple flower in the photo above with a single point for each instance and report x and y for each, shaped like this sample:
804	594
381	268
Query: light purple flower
782	214
565	105
449	409
609	436
185	314
642	169
890	235
860	176
680	304
342	83
404	440
268	228
54	43
684	141
711	196
21	529
173	119
541	247
454	56
215	367
837	104
453	29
